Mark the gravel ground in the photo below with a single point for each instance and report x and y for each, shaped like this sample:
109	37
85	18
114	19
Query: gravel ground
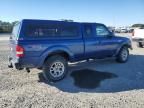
110	84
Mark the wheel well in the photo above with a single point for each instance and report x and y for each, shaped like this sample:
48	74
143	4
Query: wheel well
63	54
125	45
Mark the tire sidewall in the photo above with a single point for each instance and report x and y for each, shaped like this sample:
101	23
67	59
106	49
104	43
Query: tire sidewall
47	65
120	58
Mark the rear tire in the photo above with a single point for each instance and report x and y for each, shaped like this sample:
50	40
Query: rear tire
140	44
123	55
55	68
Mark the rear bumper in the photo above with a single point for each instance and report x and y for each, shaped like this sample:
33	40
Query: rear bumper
14	64
21	63
138	39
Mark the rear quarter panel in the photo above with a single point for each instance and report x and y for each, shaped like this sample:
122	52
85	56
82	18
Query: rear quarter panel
40	49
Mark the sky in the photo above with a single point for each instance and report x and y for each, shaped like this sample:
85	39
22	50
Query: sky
109	12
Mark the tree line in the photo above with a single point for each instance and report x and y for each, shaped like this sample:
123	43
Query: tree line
138	25
6	27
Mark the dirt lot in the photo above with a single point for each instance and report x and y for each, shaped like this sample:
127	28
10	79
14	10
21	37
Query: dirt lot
96	84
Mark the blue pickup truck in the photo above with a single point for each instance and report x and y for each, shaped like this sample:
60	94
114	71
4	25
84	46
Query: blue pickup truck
50	45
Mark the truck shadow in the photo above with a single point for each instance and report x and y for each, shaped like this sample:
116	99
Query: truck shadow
90	79
84	77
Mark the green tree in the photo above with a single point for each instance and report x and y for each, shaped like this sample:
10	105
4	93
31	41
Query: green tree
6	27
138	25
15	22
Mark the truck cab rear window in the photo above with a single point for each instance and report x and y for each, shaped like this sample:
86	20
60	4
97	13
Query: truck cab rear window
52	31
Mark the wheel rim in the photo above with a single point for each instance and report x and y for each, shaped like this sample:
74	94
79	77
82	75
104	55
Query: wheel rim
124	54
57	69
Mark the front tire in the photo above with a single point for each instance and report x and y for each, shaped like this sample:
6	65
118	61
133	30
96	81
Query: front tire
55	68
123	55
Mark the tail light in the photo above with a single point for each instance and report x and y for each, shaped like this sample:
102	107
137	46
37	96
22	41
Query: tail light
19	51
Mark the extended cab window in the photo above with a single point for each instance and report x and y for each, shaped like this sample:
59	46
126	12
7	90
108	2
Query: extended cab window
101	31
53	30
88	30
68	31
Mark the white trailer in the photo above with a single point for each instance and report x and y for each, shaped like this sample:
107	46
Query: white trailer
138	36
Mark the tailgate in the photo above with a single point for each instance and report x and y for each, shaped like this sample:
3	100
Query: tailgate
13	41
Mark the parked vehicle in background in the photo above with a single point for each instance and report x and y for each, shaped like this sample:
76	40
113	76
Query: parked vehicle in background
111	29
117	30
50	45
123	30
130	30
138	36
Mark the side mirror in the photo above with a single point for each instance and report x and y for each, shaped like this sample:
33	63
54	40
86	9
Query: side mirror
112	33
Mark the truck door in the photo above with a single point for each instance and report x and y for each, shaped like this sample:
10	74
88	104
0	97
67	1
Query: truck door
91	43
107	41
